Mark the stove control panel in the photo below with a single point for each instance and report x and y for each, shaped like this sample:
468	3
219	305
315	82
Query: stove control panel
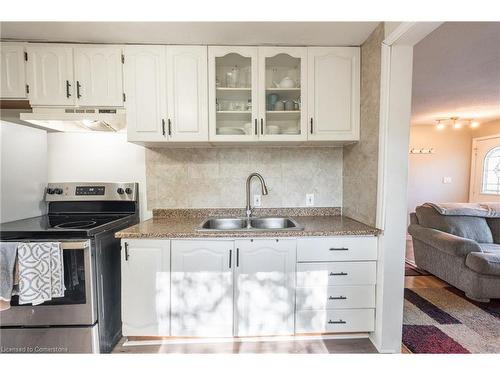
90	190
85	191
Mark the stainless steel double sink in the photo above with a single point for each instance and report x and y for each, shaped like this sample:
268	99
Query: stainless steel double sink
257	224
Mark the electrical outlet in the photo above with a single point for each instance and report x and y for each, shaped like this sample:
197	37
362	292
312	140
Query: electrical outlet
446	180
257	200
309	199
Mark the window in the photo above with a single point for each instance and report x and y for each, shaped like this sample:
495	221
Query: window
491	172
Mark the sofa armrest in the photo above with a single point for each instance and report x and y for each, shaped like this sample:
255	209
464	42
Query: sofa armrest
449	243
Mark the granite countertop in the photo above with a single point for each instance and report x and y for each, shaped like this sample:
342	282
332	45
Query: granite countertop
182	224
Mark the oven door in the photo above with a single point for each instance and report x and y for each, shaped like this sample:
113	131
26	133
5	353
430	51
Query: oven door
77	307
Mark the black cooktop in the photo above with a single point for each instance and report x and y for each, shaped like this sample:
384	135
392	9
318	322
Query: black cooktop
65	225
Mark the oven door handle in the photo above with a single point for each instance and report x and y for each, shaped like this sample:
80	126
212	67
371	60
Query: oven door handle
74	245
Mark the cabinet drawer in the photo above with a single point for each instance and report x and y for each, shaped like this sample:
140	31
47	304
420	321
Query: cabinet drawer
335	297
343	320
336	249
336	273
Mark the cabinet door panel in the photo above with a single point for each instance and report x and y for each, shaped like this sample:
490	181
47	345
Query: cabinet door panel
13	73
187	92
146	288
283	82
264	287
202	288
50	75
334	93
233	94
145	87
98	73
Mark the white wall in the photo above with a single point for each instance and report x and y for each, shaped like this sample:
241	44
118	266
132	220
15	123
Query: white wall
97	157
23	167
451	159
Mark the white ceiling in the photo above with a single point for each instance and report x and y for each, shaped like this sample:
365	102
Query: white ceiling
456	72
212	33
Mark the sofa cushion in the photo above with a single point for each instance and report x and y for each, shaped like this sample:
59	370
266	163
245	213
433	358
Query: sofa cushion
471	227
489	248
494	224
484	263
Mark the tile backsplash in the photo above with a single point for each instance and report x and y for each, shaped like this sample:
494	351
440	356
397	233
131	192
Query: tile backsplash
215	177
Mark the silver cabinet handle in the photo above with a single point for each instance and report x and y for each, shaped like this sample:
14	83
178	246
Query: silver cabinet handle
169	127
340	321
230	257
337	298
311	125
338	273
78	86
237	257
163	127
339	249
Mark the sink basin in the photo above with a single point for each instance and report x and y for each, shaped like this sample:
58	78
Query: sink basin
257	224
224	223
273	223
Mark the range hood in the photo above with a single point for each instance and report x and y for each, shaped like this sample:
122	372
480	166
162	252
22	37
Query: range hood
76	119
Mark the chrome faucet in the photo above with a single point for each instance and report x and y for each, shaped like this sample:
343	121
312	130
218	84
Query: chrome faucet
264	192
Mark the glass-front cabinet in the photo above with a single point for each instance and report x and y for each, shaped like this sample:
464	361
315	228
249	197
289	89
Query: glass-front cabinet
282	93
257	94
233	94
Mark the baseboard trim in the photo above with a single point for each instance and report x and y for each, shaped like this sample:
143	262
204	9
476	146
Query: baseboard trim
137	341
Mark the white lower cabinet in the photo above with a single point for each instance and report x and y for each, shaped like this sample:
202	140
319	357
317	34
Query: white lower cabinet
265	287
247	287
336	280
145	287
202	288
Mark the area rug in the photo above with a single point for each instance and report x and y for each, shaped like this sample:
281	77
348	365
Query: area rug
443	320
413	270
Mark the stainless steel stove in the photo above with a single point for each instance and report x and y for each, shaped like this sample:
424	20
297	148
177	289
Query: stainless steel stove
84	217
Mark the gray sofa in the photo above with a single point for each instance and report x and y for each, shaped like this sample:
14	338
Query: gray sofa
464	251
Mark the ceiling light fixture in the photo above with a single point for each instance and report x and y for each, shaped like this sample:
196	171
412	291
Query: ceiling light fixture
439	126
474	124
456	125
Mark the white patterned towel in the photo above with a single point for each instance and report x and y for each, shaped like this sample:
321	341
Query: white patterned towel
41	272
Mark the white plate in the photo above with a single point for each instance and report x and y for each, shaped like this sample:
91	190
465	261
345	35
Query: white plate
230	131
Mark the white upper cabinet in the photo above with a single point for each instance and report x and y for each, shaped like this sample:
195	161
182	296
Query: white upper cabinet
13	71
187	93
145	87
202	288
265	287
166	93
98	76
233	94
334	93
283	93
145	287
50	75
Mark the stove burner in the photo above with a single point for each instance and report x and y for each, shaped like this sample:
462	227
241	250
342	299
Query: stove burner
76	224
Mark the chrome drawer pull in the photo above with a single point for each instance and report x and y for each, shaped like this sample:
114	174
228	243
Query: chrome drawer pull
338	274
339	249
340	321
339	297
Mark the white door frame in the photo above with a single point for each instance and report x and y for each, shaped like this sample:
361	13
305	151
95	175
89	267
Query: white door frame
394	134
473	165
